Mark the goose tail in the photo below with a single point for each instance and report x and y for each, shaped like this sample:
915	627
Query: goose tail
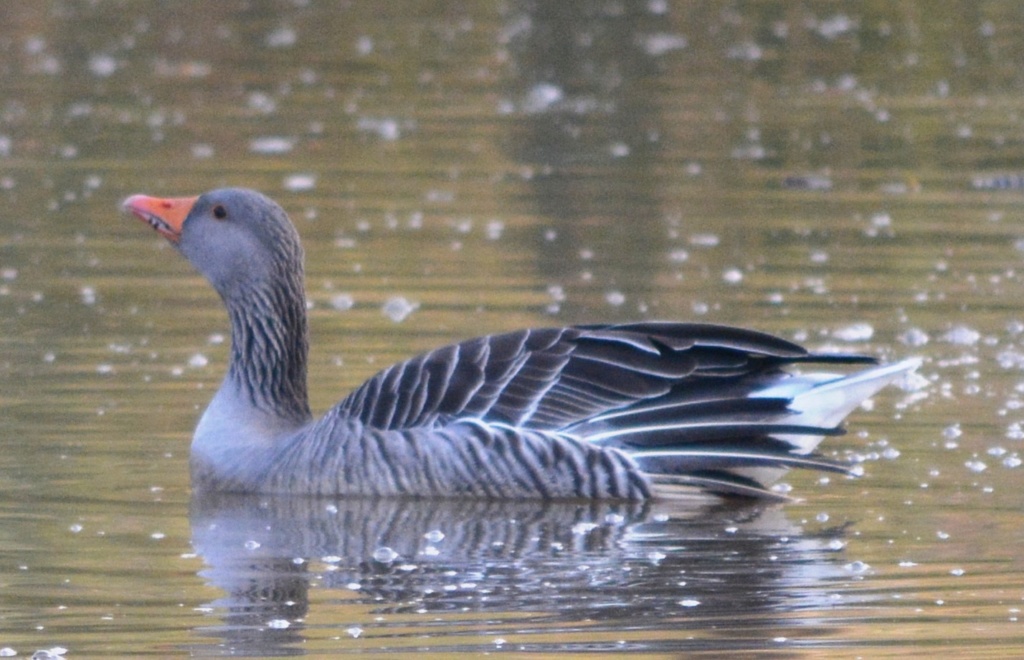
786	421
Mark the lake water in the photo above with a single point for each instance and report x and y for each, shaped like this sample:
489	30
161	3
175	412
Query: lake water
849	175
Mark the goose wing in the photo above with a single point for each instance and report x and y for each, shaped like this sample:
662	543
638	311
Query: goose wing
559	378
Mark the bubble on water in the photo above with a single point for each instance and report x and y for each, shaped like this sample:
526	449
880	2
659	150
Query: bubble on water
342	302
614	519
384	555
198	360
855	332
102	65
278	624
858	567
913	337
88	295
354	631
1010	359
434	536
747	51
655	557
615	298
961	335
835	26
282	37
261	102
364	45
386	128
618	149
1012	461
678	256
689	602
661	43
657	7
299	182
542	97
582	528
880	224
269	145
202	151
732	275
704	240
975	465
397	308
493	229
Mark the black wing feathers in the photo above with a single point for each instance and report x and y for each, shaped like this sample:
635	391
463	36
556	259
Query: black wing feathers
555	378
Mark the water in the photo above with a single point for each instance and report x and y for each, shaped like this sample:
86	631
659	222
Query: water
842	174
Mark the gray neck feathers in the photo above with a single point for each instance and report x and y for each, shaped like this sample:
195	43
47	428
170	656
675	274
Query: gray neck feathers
269	341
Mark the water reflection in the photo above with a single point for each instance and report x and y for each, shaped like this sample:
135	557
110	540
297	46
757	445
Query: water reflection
583	93
598	567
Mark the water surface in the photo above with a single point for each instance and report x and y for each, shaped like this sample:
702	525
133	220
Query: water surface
848	175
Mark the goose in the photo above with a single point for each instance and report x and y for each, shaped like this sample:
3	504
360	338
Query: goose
626	411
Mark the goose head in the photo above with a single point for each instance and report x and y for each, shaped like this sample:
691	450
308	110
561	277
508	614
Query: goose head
238	239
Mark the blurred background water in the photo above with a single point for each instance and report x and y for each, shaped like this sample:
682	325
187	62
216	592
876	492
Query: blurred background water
846	174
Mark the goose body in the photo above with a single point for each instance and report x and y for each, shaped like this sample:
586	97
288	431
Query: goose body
627	411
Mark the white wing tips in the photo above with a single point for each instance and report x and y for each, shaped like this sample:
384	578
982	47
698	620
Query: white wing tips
828	403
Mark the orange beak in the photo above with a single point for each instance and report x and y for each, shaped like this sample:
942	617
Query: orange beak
165	215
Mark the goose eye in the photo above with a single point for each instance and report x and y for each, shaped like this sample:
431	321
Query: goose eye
220	212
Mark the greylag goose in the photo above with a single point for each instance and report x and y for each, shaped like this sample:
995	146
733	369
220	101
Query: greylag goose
628	411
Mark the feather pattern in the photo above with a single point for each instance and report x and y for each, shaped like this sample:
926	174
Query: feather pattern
626	411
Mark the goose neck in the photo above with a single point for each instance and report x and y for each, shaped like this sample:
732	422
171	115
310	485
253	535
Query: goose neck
269	348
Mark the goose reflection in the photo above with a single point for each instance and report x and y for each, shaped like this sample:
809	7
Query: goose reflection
519	562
